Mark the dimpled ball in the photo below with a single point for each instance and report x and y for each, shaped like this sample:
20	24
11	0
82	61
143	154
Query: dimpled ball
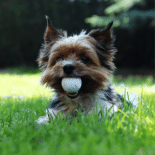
71	85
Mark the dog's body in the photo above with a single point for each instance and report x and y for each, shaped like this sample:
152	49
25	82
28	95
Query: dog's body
88	57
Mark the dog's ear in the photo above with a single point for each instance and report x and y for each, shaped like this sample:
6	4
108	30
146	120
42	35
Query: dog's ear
51	33
51	36
104	45
103	36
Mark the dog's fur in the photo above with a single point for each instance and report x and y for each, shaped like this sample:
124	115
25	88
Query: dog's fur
88	56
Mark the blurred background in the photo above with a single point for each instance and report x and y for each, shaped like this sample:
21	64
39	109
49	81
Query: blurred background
22	25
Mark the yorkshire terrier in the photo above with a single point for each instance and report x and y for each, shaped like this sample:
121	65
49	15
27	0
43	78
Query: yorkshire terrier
79	68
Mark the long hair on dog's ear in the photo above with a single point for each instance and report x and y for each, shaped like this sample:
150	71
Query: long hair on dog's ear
51	35
104	45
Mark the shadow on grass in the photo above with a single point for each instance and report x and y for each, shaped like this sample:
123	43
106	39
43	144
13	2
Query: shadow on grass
20	70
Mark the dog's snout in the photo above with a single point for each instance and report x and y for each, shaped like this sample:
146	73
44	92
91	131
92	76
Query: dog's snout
69	68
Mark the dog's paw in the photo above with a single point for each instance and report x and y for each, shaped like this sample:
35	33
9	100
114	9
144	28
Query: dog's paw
43	120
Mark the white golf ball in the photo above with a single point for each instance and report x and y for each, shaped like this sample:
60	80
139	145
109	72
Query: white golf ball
71	85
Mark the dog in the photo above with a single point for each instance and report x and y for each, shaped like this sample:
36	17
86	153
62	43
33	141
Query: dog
86	57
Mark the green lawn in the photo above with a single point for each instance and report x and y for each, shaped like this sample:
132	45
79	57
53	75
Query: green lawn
23	100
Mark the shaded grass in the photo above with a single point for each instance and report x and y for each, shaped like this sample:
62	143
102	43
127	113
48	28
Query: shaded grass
23	100
20	70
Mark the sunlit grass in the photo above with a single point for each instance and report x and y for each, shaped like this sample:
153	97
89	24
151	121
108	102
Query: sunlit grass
23	100
22	85
28	85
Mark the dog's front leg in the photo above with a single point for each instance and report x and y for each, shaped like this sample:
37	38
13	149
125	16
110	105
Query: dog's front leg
51	111
50	114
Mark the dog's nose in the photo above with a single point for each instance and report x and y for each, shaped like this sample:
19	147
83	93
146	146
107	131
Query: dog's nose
68	69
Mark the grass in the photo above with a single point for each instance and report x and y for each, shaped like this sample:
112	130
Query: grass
23	100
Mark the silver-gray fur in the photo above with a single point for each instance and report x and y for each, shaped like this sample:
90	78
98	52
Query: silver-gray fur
107	100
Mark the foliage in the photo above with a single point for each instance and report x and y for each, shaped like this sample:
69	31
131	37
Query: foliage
125	20
120	6
134	27
124	14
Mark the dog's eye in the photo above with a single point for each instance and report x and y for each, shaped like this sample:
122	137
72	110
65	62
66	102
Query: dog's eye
85	59
59	59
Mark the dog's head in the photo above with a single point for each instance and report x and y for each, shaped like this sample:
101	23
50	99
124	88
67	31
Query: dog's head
85	56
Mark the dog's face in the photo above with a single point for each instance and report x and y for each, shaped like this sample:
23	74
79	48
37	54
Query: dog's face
86	56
